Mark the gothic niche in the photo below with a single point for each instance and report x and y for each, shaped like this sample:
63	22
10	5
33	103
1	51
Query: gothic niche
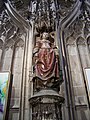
47	77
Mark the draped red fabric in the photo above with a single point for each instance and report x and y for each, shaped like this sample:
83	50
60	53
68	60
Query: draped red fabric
47	64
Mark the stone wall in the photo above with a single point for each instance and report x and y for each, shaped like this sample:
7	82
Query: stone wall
78	54
12	61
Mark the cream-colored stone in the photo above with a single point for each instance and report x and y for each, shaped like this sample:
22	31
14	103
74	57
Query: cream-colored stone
6	64
74	64
83	49
8	53
76	78
26	114
17	93
80	100
15	116
79	91
19	52
16	102
17	80
83	114
72	50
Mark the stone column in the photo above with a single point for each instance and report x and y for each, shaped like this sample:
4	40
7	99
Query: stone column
26	84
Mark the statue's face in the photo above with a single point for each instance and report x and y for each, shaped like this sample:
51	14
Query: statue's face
45	35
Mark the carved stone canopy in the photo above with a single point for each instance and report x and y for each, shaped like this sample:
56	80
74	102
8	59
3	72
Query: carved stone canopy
45	13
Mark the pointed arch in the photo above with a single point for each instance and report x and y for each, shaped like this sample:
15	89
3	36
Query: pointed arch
80	40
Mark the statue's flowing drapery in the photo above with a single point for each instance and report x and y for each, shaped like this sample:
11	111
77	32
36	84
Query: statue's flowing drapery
47	62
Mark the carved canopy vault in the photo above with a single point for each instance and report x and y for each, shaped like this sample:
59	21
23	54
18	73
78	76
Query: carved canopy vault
50	23
20	14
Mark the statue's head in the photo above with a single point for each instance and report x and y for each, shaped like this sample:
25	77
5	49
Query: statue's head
45	35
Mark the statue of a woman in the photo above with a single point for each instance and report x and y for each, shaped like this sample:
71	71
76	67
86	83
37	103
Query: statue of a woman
46	66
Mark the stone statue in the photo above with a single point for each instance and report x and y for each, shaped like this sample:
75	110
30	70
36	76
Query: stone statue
46	65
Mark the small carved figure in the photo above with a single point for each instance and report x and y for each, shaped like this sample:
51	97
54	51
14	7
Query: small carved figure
46	65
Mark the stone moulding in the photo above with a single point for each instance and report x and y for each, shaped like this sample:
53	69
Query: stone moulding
46	93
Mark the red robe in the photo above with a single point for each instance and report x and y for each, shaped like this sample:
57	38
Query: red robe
47	64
